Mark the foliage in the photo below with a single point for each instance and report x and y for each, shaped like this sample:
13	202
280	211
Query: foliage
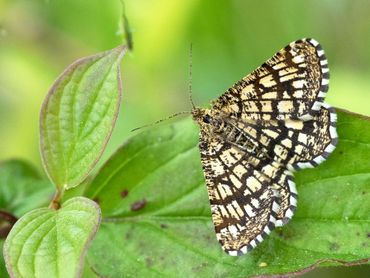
173	231
78	116
76	121
52	243
156	218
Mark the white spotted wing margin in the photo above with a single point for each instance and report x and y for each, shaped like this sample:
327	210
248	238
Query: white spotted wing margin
266	126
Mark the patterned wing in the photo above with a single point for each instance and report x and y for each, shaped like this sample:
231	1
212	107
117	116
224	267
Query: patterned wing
300	144
290	85
280	147
316	140
293	145
244	206
270	123
287	195
250	186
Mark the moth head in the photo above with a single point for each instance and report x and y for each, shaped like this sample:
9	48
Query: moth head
201	116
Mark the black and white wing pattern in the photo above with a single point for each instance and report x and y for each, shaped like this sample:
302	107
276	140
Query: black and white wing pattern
269	124
244	206
290	85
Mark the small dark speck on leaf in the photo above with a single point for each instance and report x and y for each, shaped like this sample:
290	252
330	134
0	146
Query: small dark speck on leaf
368	235
340	152
124	193
363	192
96	200
199	267
285	234
279	232
334	246
149	262
138	205
128	235
164	226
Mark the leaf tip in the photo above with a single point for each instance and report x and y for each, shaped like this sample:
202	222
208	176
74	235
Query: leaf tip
120	52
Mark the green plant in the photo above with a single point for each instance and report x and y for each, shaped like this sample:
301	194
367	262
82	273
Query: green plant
155	211
76	121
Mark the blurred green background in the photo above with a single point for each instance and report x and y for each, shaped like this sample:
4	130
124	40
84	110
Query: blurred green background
39	38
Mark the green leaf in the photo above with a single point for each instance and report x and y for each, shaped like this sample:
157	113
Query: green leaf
21	190
78	116
52	243
157	216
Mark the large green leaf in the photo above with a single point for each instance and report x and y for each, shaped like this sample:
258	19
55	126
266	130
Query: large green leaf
157	215
78	115
52	243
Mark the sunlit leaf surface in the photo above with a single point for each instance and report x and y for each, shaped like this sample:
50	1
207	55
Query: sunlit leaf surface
78	115
157	216
52	243
21	190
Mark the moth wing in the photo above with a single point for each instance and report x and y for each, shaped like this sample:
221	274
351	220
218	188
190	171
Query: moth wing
290	85
316	140
244	206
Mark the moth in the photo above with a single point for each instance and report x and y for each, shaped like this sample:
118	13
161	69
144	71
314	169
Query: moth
269	124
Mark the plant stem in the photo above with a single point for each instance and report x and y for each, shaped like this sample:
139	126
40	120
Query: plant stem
10	219
55	202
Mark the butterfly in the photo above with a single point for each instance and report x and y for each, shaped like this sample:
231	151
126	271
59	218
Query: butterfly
267	125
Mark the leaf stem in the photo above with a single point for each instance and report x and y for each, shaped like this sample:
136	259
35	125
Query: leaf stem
10	219
55	202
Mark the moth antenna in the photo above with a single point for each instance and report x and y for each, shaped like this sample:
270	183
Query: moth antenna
161	120
190	96
191	76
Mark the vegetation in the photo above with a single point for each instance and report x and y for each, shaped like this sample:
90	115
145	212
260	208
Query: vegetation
155	219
